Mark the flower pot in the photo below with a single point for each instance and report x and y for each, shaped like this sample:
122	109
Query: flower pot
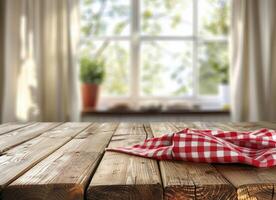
90	93
224	95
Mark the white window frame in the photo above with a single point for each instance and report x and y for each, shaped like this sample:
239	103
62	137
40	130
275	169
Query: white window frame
136	38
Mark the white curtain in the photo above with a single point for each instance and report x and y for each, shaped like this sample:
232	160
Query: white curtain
253	67
40	70
2	39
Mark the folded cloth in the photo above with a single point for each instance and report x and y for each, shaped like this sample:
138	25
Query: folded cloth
257	148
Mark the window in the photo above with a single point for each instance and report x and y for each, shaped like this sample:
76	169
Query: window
156	49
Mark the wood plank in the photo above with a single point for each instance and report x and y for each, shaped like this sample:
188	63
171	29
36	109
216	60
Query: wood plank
251	182
270	125
8	127
17	137
18	160
121	176
160	128
181	125
66	172
187	180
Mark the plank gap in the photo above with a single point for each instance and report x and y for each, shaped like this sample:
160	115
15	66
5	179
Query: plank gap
121	176
66	172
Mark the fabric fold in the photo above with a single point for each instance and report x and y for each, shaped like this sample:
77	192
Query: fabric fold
257	148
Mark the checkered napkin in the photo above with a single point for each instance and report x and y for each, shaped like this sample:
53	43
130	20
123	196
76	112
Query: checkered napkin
257	148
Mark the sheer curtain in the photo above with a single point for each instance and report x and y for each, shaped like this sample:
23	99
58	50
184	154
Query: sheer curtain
2	20
40	70
253	67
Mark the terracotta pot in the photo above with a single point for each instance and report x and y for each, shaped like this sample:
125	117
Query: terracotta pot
90	93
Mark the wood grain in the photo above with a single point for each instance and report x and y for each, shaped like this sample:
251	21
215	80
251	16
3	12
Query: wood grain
7	127
58	162
251	182
186	180
19	136
121	176
65	173
18	160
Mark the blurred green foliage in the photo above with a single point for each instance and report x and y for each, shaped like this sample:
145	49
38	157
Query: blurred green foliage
214	64
110	17
117	64
91	70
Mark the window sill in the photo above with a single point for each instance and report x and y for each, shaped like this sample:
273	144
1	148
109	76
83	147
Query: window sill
91	111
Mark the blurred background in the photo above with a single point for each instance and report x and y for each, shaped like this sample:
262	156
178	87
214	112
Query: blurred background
83	60
159	52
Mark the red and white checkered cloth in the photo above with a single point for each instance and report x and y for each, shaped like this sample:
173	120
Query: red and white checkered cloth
257	148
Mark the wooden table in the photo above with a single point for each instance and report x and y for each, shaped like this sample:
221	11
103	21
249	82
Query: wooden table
68	161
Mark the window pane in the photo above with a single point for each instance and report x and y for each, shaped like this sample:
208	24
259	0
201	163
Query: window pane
167	17
116	58
213	67
105	17
166	68
214	17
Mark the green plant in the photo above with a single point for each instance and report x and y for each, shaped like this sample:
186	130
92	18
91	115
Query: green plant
218	62
92	70
223	71
215	69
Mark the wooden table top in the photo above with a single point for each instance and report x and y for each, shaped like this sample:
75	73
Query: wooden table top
57	161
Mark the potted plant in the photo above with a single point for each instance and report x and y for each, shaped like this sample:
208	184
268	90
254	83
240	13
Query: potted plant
91	75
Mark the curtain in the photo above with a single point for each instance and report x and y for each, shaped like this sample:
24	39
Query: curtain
41	65
2	20
253	64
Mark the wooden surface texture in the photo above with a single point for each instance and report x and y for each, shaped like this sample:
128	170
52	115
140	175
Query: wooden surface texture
68	161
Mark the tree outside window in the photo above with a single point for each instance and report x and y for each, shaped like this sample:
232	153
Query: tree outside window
182	45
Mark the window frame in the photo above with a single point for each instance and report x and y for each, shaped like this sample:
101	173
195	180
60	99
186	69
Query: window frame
136	38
